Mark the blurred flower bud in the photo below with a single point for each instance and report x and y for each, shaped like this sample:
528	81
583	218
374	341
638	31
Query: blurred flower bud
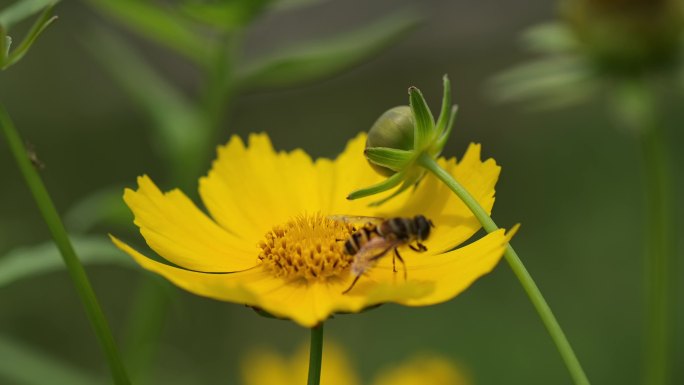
627	36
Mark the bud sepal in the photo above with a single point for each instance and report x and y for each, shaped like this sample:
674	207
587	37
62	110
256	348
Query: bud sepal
387	146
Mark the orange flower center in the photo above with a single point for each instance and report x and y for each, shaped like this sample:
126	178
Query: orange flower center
309	247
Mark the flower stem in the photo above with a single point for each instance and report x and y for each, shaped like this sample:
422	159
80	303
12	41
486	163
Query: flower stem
315	355
519	270
59	234
659	262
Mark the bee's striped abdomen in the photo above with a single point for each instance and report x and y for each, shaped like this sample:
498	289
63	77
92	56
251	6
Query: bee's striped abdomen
397	227
360	238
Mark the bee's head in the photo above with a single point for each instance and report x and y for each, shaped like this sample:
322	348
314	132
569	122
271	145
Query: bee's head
423	226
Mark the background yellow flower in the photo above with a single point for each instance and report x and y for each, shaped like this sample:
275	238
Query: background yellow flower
266	367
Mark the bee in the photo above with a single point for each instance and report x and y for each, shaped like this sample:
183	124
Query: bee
379	236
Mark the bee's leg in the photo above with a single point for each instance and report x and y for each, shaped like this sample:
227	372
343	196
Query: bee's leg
394	261
419	248
398	256
352	285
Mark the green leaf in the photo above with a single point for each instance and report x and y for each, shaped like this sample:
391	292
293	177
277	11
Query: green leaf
226	15
550	38
22	9
23	364
31	261
178	124
546	83
38	27
441	142
424	122
158	24
379	187
314	60
282	5
391	158
103	206
408	182
5	44
445	112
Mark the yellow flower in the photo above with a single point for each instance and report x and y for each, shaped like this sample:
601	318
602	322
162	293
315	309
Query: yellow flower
423	369
270	243
265	367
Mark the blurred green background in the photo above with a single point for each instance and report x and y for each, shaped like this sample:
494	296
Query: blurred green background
570	177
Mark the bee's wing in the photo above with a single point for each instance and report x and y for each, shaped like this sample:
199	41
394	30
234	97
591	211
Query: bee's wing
356	219
370	253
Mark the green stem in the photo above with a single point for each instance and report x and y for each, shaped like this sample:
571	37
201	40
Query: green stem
59	234
660	269
315	355
145	326
518	268
219	89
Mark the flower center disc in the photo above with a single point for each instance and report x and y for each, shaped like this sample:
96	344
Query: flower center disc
308	246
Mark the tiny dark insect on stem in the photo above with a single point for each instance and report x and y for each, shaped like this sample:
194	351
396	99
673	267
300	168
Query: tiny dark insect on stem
33	157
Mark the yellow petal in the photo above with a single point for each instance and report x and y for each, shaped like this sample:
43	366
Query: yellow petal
178	231
450	273
352	172
225	287
250	189
306	304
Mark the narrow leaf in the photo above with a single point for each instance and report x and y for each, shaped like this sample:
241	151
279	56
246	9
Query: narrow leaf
323	58
176	121
445	112
22	9
383	186
158	24
546	83
549	38
5	43
441	142
407	183
391	158
282	5
38	27
103	206
226	15
424	122
32	261
23	364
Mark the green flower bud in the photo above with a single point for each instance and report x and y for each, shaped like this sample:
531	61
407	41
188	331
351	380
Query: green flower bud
393	129
400	137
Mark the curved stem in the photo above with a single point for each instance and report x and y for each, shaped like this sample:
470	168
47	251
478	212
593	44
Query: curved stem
660	256
315	355
59	234
519	270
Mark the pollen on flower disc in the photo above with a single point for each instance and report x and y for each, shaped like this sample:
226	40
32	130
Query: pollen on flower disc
309	247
